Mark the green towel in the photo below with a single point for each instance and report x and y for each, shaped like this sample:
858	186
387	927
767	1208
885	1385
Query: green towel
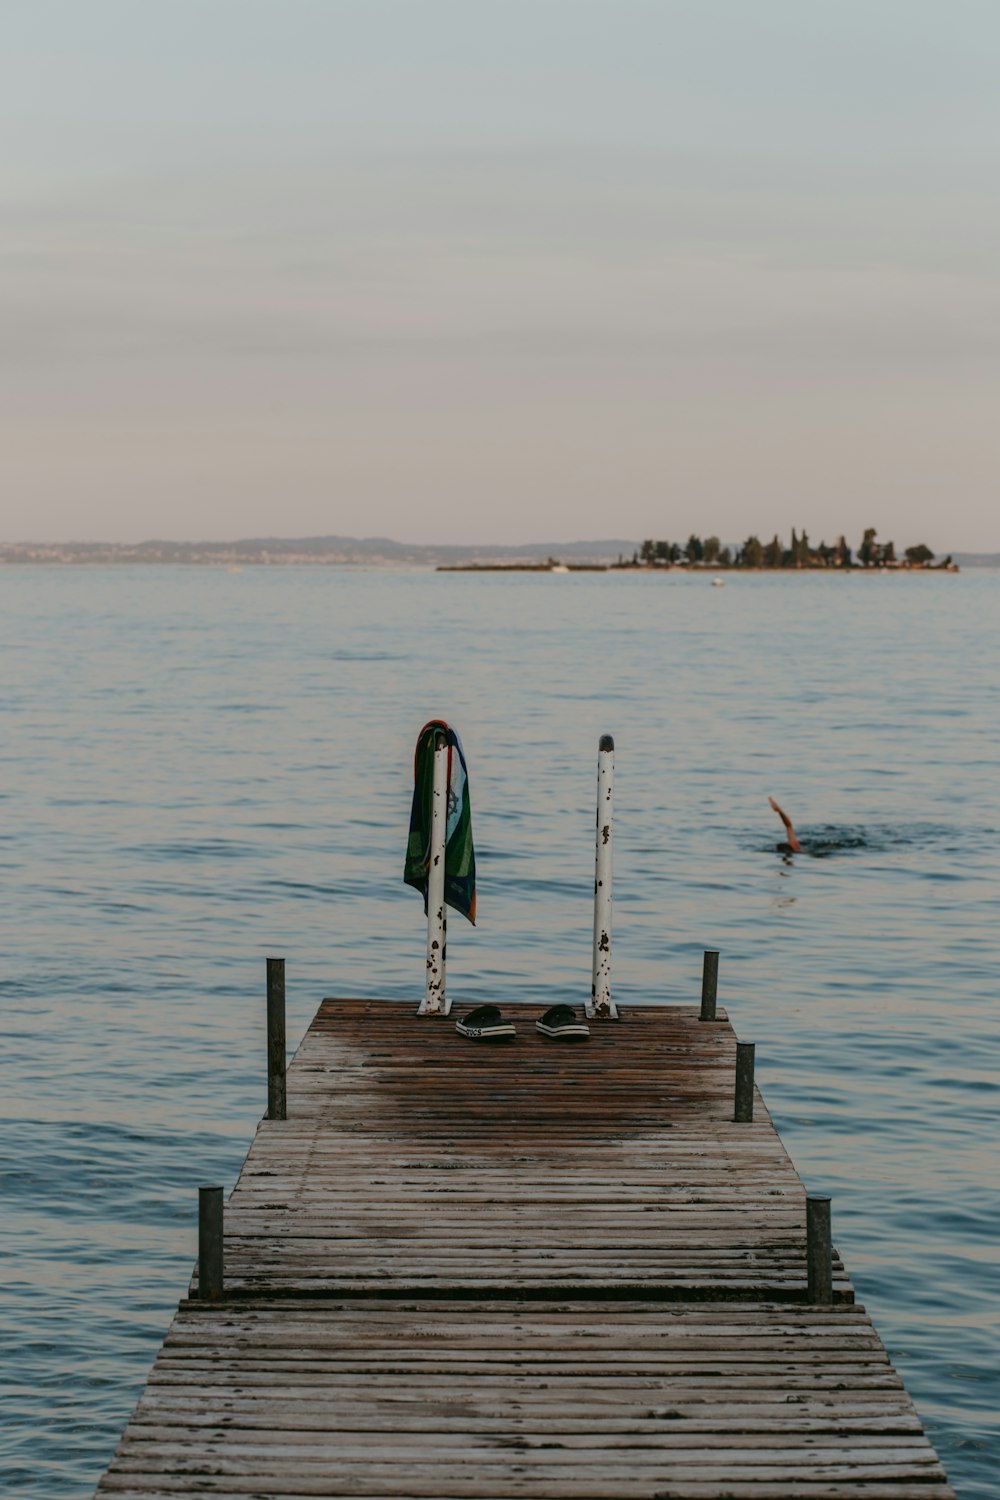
459	855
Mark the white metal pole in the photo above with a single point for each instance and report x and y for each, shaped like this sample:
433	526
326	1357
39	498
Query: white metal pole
601	1004
434	1002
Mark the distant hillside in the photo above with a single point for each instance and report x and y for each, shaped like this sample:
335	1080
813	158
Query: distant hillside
977	559
252	551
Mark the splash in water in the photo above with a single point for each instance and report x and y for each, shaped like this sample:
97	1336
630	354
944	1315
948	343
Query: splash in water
820	844
827	839
831	840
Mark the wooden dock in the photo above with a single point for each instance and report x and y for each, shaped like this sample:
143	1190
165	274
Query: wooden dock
531	1269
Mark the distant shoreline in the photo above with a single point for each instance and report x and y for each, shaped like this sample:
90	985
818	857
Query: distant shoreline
607	555
389	565
323	551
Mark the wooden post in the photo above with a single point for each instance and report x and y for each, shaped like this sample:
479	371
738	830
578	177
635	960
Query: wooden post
709	984
819	1249
210	1270
743	1112
276	1101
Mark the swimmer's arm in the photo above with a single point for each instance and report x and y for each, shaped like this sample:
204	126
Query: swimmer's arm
792	840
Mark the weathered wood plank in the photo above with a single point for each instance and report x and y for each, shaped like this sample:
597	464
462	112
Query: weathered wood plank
526	1480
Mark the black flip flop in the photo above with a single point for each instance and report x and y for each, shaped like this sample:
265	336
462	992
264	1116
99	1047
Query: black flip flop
485	1024
561	1025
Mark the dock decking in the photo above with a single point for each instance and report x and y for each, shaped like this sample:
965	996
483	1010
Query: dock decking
531	1269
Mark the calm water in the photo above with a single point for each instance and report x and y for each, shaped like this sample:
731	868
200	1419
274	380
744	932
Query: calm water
200	767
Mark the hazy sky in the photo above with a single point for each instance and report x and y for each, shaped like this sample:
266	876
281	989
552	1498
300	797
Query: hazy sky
500	270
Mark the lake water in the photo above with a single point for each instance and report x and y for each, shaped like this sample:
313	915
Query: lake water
201	767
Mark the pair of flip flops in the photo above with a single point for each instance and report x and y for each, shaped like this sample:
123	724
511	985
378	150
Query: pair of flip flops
486	1024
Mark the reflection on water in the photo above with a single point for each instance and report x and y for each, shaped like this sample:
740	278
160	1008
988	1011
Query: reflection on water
200	768
783	899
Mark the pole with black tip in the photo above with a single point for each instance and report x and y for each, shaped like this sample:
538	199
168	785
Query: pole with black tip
210	1269
435	1001
276	1100
601	1006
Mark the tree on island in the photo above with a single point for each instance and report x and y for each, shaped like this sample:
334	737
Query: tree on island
869	552
919	556
801	555
751	554
710	549
774	552
695	549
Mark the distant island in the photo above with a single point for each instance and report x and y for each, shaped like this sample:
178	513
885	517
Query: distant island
537	557
757	555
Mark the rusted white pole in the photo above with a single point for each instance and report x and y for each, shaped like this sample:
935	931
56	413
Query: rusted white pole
601	1004
434	1002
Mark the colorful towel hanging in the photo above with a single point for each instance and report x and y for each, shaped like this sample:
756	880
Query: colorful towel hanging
459	854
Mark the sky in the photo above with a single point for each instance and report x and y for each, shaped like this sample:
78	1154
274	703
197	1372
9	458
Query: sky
500	270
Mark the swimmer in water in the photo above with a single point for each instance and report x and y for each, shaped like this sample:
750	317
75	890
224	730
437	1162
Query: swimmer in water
793	846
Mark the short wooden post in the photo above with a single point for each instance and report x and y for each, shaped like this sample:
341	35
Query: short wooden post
709	984
743	1112
276	1101
819	1249
210	1271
